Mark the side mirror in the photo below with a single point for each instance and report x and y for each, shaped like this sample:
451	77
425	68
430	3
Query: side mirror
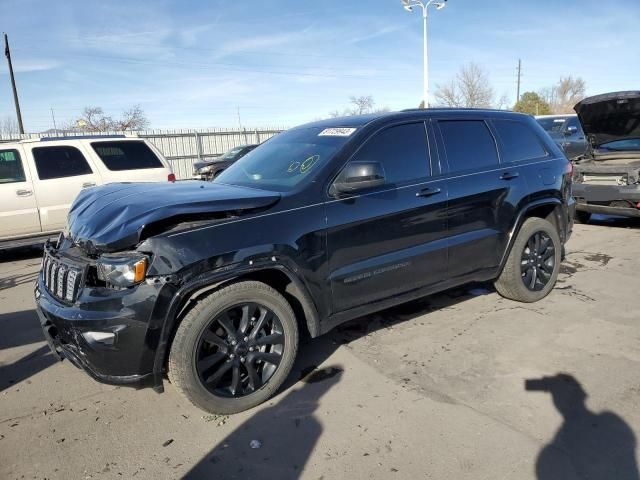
570	131
358	176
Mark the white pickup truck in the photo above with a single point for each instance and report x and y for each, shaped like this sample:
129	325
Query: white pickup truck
39	179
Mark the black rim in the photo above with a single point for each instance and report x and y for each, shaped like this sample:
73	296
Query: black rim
538	261
240	350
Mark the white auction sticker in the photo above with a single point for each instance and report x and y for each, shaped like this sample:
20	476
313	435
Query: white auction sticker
336	132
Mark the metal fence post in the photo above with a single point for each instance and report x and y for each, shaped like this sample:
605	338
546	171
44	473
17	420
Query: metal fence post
198	146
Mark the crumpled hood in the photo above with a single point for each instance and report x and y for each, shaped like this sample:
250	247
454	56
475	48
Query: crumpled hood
112	217
610	117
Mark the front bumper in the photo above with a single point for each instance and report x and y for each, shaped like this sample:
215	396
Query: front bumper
135	316
599	199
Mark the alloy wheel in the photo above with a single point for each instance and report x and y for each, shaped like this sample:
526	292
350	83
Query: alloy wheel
239	350
538	261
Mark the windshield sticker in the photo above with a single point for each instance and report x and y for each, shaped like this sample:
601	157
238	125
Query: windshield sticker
293	166
336	132
308	163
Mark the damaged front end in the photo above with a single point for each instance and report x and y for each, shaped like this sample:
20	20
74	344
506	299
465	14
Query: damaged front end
106	285
607	179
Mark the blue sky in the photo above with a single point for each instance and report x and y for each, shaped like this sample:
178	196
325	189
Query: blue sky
282	62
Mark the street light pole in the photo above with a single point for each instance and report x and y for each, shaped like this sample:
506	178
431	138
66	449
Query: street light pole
408	6
425	59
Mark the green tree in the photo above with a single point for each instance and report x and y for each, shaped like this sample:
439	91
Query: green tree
532	103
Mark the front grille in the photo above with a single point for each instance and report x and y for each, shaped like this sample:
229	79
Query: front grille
61	278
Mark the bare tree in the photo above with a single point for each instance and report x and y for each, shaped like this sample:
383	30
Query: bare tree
93	119
568	92
9	125
565	94
359	106
132	119
470	88
504	102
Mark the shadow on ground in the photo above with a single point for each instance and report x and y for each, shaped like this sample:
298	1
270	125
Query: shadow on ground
288	429
588	445
277	441
615	222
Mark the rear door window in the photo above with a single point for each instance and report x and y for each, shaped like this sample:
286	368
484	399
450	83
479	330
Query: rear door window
469	144
11	169
128	155
60	162
402	150
518	141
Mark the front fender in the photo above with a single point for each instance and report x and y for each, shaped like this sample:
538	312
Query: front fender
224	276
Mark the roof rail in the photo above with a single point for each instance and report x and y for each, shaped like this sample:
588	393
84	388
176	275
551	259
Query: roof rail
80	137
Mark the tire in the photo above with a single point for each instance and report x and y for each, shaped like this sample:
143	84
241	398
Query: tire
582	217
511	282
192	348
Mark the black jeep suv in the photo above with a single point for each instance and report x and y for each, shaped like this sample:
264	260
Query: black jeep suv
211	283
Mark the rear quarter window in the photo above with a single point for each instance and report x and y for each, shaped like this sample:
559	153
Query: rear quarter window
518	140
469	144
119	155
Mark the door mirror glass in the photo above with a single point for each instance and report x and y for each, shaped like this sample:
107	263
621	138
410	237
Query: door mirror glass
358	176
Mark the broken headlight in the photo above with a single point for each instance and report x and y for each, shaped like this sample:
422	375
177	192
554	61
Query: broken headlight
122	270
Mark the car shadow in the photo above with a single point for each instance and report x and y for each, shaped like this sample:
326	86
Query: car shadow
614	222
287	430
313	352
27	366
588	445
17	280
277	441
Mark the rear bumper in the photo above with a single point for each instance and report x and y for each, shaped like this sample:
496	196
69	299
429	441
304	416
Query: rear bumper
127	314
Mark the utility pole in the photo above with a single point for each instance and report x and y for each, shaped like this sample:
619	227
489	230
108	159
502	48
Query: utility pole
7	53
519	75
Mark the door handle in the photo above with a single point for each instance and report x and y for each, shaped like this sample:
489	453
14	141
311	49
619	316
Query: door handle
509	175
24	193
88	184
427	192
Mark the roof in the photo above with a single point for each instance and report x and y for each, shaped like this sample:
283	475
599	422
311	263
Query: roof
362	120
557	115
66	138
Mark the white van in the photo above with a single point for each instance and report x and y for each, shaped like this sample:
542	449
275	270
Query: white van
39	179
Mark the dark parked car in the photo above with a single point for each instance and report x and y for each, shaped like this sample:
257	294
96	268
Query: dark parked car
566	131
212	282
208	169
607	180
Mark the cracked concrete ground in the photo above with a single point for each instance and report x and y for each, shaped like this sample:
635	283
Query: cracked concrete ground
431	389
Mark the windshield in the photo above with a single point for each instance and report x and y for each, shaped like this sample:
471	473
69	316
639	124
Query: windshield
628	144
231	154
552	124
284	161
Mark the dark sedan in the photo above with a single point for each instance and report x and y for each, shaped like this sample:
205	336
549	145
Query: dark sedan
209	169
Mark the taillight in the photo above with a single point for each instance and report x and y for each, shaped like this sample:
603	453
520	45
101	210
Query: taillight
171	177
